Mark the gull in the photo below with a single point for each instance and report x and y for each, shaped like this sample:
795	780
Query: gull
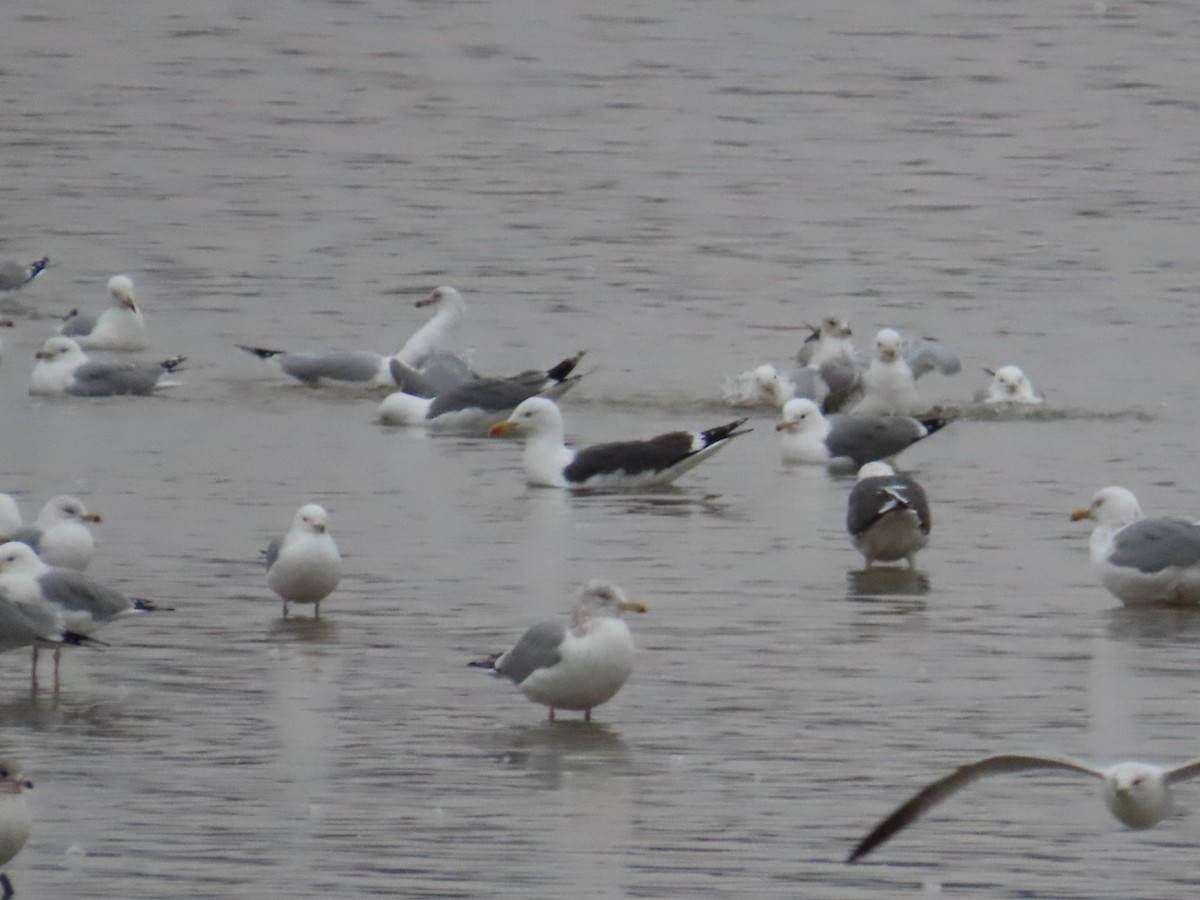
15	275
1137	794
1140	560
626	464
889	383
64	368
304	565
34	625
61	536
120	327
845	441
577	665
477	405
887	515
1009	387
15	820
10	514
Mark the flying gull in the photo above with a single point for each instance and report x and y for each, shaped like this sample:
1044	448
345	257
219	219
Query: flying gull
477	405
64	368
120	327
626	464
61	536
1009	387
16	822
847	441
887	515
577	665
1137	794
304	565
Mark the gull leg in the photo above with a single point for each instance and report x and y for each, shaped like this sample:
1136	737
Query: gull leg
552	714
587	715
317	610
285	609
57	657
33	669
7	886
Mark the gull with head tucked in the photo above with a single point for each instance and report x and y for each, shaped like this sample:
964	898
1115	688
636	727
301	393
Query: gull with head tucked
119	327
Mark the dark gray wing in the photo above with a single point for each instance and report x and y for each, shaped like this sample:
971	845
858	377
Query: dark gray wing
873	498
73	590
929	354
537	649
867	438
1151	545
343	365
78	323
272	551
654	455
493	394
102	378
935	793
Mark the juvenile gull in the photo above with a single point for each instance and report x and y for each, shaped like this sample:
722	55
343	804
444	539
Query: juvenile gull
626	464
476	406
887	515
1137	794
889	383
847	441
1009	387
64	368
16	823
15	275
1140	560
120	327
577	665
304	565
61	536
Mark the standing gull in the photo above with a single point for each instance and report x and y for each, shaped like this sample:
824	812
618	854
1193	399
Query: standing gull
63	368
15	275
887	515
477	405
1137	794
1009	387
1139	560
578	665
15	821
889	383
31	625
120	327
847	441
61	536
304	565
625	464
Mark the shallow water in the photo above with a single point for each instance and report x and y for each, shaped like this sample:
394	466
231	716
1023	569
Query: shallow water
676	188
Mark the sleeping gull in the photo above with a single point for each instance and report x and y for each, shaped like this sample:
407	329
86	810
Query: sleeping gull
889	383
120	327
1009	387
63	368
365	368
578	665
1141	560
847	441
304	565
15	275
1137	794
625	464
16	823
61	536
83	603
477	405
887	515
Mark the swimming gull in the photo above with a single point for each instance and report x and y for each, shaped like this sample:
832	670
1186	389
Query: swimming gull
889	382
1009	387
476	406
16	822
64	368
83	603
1137	794
119	327
887	515
577	665
61	536
1140	560
847	441
15	275
304	565
626	464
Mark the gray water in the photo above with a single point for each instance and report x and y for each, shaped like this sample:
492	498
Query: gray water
675	187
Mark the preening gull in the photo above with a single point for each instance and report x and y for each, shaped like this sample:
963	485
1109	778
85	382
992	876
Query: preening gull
889	383
448	308
1009	387
16	822
120	327
847	441
477	405
64	368
887	515
304	565
1140	560
61	536
1137	794
15	275
577	665
626	464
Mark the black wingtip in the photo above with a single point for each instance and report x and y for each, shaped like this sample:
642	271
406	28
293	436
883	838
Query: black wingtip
35	268
143	605
934	422
174	363
561	371
486	663
724	432
260	352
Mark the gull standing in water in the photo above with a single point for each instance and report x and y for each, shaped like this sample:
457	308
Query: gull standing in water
887	515
577	665
304	565
120	327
